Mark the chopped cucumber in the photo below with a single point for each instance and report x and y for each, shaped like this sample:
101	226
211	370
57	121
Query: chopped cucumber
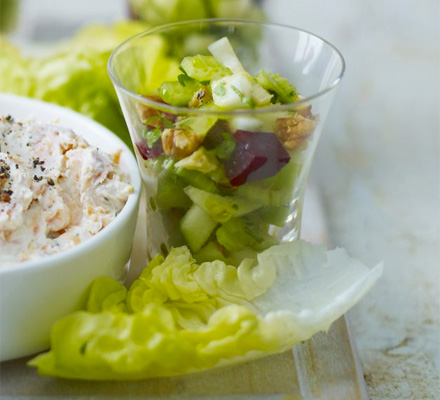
196	227
170	192
273	191
210	252
200	124
273	215
237	257
220	208
232	236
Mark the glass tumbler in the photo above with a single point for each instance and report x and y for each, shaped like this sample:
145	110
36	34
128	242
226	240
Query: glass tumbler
226	183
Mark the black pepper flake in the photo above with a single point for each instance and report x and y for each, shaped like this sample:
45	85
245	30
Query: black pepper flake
50	182
37	162
16	166
4	172
9	118
38	178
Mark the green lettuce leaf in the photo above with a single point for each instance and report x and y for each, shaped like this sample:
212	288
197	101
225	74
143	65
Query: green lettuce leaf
76	75
183	317
157	12
106	295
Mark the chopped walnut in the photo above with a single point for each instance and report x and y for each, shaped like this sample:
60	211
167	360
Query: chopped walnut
304	110
293	130
146	112
202	96
179	143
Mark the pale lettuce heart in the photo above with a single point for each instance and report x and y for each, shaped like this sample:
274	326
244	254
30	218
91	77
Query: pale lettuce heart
180	317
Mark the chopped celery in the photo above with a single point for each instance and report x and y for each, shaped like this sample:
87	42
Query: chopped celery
260	96
220	208
196	227
197	179
239	233
180	92
282	89
200	124
204	68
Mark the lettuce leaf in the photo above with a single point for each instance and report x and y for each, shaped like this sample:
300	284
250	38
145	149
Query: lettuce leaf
157	12
76	75
183	317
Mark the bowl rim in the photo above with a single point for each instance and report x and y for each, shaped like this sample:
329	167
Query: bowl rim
186	110
129	208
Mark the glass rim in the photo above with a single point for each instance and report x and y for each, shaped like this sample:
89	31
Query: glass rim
187	110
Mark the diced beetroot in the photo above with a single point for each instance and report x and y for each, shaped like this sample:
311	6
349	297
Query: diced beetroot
257	155
214	137
149	152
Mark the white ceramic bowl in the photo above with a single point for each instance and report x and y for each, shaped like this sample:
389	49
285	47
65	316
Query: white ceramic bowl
34	294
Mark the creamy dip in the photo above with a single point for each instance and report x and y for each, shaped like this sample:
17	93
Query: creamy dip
55	190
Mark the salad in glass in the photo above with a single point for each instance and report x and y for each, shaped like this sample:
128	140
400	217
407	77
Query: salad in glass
222	185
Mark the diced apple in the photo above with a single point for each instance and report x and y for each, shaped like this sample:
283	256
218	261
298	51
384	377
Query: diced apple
232	92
